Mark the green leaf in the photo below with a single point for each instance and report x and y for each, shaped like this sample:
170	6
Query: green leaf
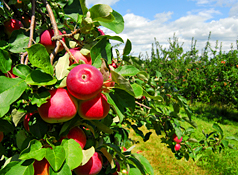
231	138
116	38
40	98
138	165
145	163
6	126
225	143
73	152
101	12
39	57
10	91
20	138
5	61
134	170
61	68
102	127
157	97
87	154
38	77
56	157
75	8
138	90
122	83
218	128
114	106
22	71
38	127
127	48
143	75
19	41
127	70
24	167
102	49
117	25
17	116
65	170
35	150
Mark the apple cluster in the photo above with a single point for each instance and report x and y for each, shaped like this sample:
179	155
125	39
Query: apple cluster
177	141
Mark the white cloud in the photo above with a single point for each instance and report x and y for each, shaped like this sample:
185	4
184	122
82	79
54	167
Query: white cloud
142	31
216	2
108	2
234	10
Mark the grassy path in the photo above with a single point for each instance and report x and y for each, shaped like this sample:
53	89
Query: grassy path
165	163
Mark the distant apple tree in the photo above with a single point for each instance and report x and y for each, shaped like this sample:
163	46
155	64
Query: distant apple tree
68	104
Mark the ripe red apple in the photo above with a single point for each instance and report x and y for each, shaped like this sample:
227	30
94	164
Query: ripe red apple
78	135
79	56
177	147
92	167
175	138
1	136
41	167
84	81
45	39
11	25
61	107
94	109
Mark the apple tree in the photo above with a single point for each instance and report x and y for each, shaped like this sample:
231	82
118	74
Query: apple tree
68	103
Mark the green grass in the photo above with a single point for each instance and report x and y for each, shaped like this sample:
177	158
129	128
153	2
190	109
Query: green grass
226	162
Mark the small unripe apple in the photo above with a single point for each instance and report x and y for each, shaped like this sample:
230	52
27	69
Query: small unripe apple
96	108
177	147
78	135
45	39
84	81
175	138
11	25
41	167
79	56
92	167
1	136
61	107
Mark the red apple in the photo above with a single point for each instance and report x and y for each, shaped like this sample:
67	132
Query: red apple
45	39
78	135
101	32
1	136
11	25
92	167
84	81
61	107
94	109
79	56
175	138
177	147
41	167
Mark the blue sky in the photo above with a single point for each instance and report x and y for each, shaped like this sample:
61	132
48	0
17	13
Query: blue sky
145	20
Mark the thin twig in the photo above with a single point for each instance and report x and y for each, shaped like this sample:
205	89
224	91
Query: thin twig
67	50
142	105
32	27
55	28
8	8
